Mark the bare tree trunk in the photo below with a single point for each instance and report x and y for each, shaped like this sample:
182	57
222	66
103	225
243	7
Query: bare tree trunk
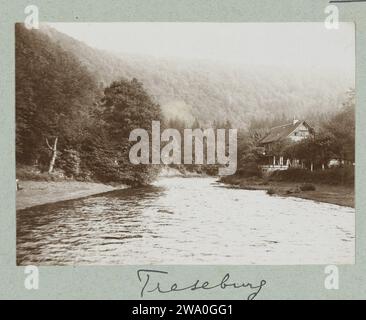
54	154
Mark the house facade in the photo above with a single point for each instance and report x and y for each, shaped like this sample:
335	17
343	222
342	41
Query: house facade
291	132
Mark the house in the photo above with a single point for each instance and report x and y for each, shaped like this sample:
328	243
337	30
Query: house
292	132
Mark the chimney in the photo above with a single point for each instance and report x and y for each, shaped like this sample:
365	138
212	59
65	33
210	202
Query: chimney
294	121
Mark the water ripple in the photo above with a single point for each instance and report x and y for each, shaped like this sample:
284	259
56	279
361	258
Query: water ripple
185	221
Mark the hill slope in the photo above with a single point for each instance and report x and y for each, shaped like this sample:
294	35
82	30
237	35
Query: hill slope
208	92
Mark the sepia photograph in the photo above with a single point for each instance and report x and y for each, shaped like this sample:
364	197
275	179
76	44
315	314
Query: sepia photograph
151	143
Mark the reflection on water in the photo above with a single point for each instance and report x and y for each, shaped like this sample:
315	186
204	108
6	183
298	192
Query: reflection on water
185	221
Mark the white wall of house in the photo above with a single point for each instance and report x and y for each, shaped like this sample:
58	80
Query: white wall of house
300	133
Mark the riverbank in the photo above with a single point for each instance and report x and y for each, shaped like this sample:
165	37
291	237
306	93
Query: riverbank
34	193
334	194
174	172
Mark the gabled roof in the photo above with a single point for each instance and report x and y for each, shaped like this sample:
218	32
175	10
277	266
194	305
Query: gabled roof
282	132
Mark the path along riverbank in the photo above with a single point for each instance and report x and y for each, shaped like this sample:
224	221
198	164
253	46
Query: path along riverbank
34	193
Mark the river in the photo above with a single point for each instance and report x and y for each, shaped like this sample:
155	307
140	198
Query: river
185	221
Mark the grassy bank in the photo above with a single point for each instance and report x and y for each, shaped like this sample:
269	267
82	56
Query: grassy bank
330	193
35	193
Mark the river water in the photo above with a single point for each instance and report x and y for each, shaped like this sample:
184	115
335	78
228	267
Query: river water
185	221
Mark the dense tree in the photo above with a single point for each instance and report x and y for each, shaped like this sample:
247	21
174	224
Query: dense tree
250	155
52	90
63	119
341	129
127	106
335	138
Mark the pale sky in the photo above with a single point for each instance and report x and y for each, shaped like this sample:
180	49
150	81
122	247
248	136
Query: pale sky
276	44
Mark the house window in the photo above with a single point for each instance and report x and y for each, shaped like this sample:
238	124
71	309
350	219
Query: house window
300	133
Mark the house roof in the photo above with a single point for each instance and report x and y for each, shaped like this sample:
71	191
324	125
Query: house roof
282	132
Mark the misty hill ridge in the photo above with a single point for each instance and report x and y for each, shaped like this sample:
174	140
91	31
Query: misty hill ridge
209	92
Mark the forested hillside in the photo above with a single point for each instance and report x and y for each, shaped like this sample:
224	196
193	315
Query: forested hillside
208	91
69	122
75	105
54	93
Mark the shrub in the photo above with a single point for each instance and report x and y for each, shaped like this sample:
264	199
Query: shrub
307	187
32	173
335	176
69	162
250	169
271	191
234	180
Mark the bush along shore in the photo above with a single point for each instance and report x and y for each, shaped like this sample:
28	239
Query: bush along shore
335	186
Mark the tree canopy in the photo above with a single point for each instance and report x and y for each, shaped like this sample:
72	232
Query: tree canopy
63	115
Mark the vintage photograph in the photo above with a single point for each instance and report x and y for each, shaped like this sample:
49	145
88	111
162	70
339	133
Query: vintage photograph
185	143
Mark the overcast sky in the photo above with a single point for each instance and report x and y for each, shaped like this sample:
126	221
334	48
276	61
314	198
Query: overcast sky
278	44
